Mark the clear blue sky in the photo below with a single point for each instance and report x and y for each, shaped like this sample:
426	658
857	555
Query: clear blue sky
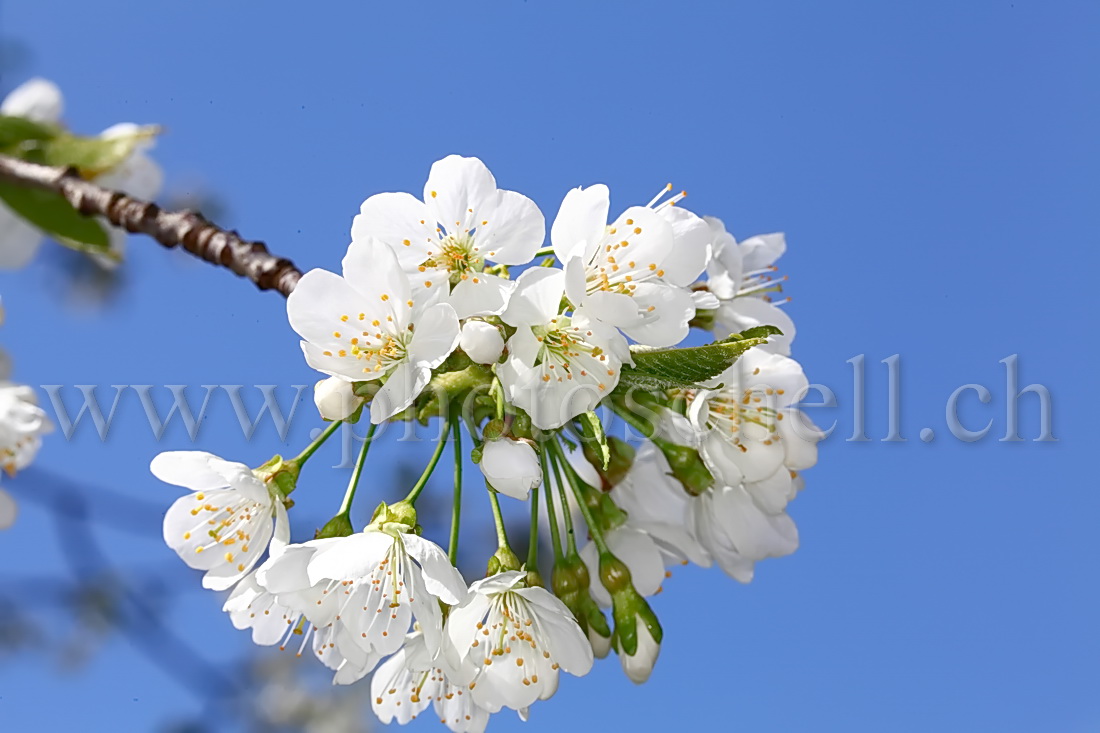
934	165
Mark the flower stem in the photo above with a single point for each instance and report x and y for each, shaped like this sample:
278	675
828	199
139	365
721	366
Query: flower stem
423	480
498	518
456	502
551	512
533	541
578	491
570	536
310	449
349	495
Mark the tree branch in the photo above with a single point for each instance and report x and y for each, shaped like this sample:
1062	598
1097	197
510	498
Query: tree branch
188	229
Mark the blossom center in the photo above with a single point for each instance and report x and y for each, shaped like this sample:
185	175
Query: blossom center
565	351
459	255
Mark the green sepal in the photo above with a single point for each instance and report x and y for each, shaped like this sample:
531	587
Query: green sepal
338	526
593	439
502	561
280	474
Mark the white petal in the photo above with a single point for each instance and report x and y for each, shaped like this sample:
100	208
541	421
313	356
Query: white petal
692	248
402	386
401	222
19	240
36	99
350	557
481	295
435	337
455	186
372	269
536	297
191	469
581	221
639	666
510	228
441	578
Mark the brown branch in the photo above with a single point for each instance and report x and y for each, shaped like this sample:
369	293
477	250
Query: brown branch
188	229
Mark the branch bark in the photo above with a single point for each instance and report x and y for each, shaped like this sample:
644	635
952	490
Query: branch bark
186	229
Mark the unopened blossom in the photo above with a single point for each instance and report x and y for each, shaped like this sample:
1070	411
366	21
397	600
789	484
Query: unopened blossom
406	683
639	665
742	276
369	586
227	521
511	467
559	366
738	422
335	398
445	241
635	272
481	341
737	532
38	100
367	325
507	643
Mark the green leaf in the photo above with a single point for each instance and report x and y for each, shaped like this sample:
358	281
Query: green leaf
92	156
593	437
16	130
51	213
688	368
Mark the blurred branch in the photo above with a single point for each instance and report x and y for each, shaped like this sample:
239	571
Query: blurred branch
186	229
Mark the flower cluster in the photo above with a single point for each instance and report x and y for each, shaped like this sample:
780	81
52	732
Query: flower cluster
426	323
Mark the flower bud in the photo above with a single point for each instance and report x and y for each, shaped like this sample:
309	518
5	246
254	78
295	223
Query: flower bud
482	342
336	399
511	467
639	665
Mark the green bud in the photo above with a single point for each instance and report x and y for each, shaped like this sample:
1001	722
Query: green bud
493	430
534	578
687	466
614	574
280	474
338	526
622	457
503	560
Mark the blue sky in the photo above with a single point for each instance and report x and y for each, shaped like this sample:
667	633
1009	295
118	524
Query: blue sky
934	166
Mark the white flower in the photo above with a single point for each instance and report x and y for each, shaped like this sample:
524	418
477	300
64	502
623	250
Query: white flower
639	665
335	398
138	175
737	532
511	467
507	643
366	325
635	273
227	523
558	366
481	341
444	241
741	276
738	423
657	531
406	683
39	100
22	425
366	588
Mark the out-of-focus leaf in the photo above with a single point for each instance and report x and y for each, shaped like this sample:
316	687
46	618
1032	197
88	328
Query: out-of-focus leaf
51	213
16	130
93	156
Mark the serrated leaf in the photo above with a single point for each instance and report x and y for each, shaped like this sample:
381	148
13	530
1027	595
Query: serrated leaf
690	367
92	156
51	213
16	130
592	433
